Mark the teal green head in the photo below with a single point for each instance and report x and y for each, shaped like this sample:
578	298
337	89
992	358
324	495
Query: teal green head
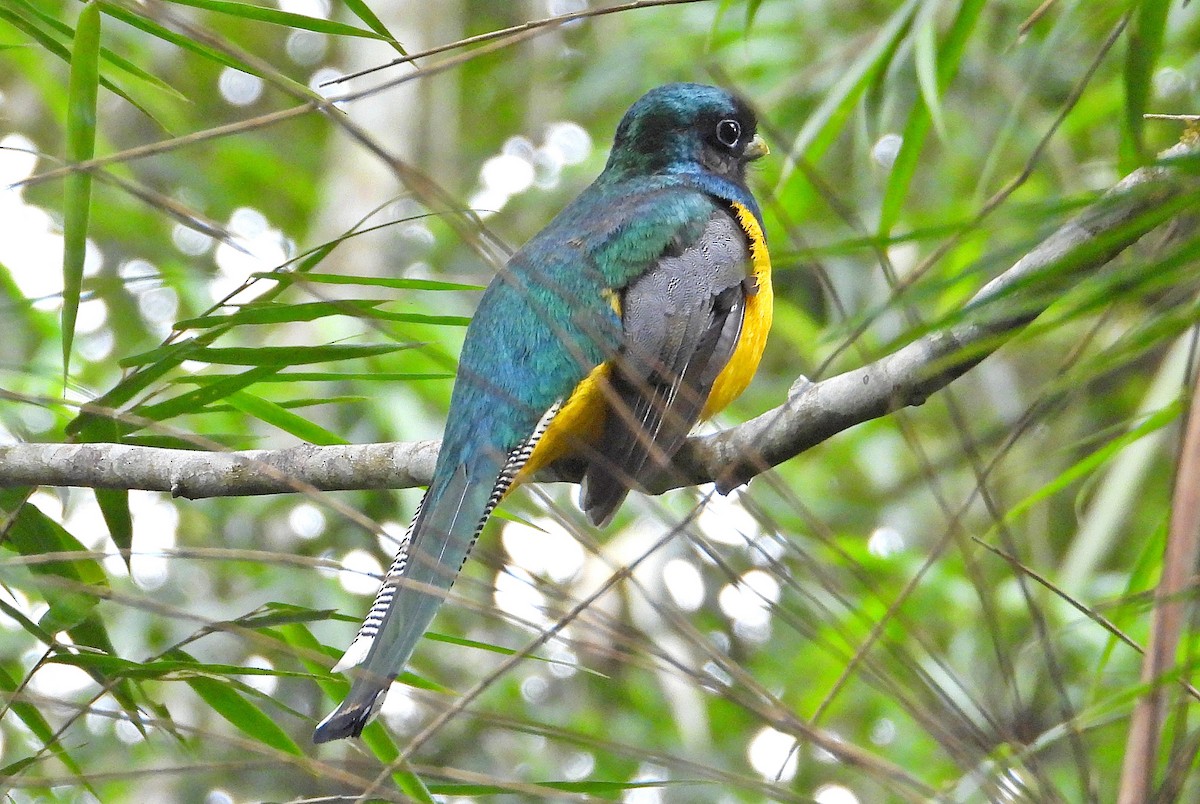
687	128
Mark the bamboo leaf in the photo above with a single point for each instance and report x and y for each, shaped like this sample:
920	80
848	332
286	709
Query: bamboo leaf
32	718
32	29
323	376
273	414
364	13
275	356
159	669
33	533
82	88
167	35
395	282
106	55
827	121
276	313
274	614
915	131
114	506
230	704
1145	41
925	54
287	19
1088	464
597	788
195	400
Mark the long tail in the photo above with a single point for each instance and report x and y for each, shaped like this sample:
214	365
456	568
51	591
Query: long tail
439	539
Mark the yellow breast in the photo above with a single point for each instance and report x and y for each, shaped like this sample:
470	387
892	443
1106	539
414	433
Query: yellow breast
756	322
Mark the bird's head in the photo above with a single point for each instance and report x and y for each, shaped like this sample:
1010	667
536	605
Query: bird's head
684	127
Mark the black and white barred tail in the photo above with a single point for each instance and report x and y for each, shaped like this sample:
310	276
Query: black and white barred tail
401	612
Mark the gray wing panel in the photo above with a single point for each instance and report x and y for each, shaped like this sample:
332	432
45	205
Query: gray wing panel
681	322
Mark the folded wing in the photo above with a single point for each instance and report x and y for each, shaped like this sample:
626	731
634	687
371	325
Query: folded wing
681	324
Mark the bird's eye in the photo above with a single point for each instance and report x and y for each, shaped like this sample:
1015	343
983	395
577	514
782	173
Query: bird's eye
728	132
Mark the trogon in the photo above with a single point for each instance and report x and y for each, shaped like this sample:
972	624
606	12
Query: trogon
642	308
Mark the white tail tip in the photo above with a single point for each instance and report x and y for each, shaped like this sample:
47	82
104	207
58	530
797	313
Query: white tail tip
355	655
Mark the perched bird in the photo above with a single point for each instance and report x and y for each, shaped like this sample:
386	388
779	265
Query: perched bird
642	308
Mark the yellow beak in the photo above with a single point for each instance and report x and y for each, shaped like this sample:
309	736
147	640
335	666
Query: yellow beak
757	148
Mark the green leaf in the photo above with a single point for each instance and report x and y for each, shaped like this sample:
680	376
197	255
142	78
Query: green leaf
752	7
91	633
276	313
1145	41
230	704
274	356
33	534
598	788
274	614
295	404
90	426
396	282
1085	466
193	401
287	19
158	669
31	716
827	121
114	506
323	376
925	54
905	167
82	88
284	419
167	35
46	40
106	55
364	13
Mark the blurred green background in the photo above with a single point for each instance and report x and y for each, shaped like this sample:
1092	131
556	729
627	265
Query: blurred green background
853	597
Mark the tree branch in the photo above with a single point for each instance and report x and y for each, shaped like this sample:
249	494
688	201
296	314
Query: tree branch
1143	200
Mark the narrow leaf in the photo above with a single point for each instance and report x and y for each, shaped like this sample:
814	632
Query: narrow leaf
31	716
276	356
230	704
396	282
364	13
1145	40
925	53
106	55
284	419
324	376
285	18
116	667
33	533
82	89
275	614
114	506
276	313
167	35
52	45
915	131
195	400
825	124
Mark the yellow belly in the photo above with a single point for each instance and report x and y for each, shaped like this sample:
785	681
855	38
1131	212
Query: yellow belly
581	419
579	422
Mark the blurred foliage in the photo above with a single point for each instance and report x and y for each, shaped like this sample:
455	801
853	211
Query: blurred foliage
946	593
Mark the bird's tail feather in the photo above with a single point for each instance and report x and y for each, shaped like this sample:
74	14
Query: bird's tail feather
438	541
